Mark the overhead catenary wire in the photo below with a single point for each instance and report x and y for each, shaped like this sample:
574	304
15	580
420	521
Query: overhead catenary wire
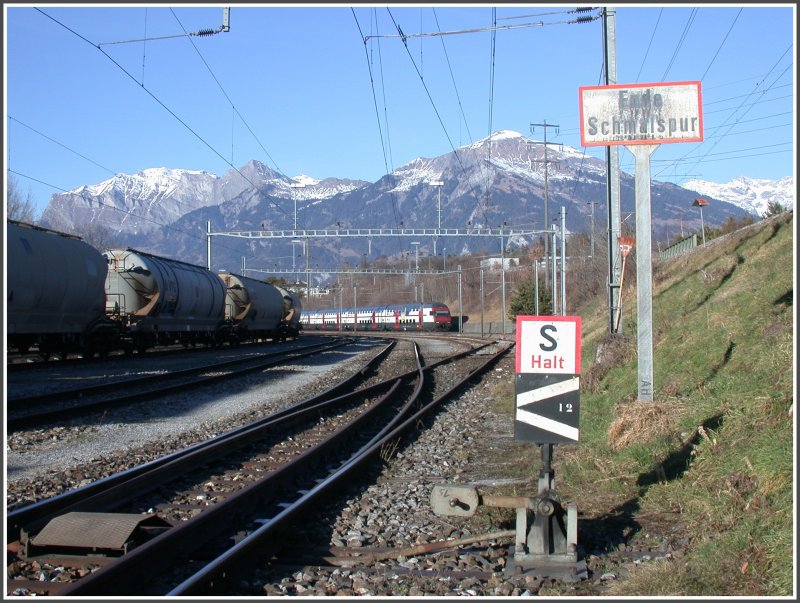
720	130
433	104
404	36
222	89
201	33
384	143
741	105
686	28
63	146
74	152
649	44
453	79
721	44
160	102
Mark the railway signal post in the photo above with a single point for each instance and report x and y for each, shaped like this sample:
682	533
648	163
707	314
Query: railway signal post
548	366
548	359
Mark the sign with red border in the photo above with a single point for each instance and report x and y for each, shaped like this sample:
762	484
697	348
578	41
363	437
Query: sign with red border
548	344
625	114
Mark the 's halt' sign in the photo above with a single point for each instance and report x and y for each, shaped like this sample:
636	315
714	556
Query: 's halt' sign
548	366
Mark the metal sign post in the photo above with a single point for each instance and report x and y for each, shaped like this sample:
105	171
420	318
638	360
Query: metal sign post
644	271
640	117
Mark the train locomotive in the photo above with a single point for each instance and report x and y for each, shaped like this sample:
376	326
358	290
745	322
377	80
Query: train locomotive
66	296
428	316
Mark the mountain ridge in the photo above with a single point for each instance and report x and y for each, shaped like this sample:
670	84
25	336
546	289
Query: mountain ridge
502	180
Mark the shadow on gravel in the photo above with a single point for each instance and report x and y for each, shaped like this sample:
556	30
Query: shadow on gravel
605	533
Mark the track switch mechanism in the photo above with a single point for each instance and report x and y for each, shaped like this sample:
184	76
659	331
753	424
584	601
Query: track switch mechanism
546	538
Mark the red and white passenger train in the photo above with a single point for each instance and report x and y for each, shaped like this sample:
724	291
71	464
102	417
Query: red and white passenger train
429	316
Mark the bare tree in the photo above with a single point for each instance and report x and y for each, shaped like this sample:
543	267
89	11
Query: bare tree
17	207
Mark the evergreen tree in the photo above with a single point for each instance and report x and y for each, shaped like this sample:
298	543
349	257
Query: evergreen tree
522	299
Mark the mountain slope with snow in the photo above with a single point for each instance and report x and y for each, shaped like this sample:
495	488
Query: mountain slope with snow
504	179
751	194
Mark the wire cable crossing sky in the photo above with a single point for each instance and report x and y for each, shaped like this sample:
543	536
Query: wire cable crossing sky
358	91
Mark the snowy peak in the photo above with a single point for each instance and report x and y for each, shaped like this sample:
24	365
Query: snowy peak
305	187
148	181
504	151
751	194
495	137
303	180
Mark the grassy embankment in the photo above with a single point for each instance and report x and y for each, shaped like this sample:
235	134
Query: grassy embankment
713	452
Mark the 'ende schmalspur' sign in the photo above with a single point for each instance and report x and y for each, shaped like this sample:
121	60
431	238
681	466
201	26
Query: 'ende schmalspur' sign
641	114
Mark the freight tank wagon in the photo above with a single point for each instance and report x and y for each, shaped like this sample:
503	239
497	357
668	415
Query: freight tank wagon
253	308
55	292
162	301
293	310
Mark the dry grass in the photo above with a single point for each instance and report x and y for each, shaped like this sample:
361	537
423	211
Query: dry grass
640	421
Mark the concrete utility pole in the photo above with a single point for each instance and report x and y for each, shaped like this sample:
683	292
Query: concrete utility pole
612	176
295	185
208	244
438	184
546	161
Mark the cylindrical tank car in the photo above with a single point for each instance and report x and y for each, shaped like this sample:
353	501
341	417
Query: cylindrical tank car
163	301
55	292
253	308
292	312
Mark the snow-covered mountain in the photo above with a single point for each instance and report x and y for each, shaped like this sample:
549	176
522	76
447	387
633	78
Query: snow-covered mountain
505	150
156	197
751	194
495	182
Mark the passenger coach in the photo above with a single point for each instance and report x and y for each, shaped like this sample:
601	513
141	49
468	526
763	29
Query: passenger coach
430	316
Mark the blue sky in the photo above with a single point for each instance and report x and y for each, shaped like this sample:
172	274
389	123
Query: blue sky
299	89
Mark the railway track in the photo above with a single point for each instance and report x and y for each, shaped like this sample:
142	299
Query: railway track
35	410
321	441
32	361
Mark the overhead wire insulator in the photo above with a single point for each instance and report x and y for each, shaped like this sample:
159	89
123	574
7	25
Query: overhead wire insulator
583	9
583	20
206	32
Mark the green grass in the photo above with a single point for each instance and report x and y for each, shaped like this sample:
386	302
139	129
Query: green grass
723	363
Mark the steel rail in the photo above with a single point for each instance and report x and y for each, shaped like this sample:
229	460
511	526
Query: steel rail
37	417
34	516
154	555
100	388
216	574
